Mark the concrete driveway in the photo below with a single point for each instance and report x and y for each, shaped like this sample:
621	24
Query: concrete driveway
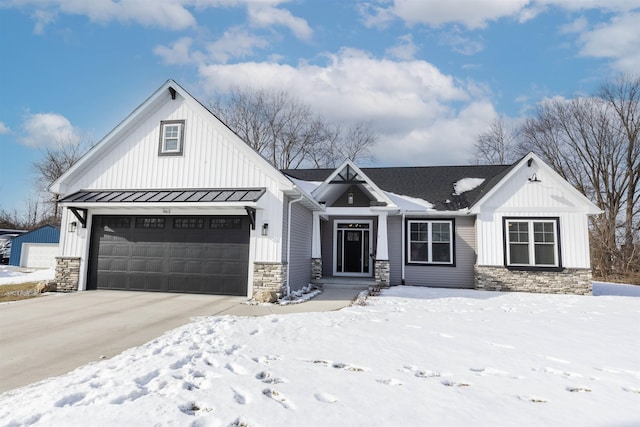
52	335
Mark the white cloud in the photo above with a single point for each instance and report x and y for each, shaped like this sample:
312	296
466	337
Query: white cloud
416	109
618	39
404	49
169	14
42	18
470	13
179	52
48	129
236	42
266	15
460	43
578	25
474	14
4	129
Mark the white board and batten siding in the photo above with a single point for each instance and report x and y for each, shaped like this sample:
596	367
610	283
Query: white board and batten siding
545	198
458	276
213	157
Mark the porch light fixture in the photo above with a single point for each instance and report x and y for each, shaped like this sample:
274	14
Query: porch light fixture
72	227
265	229
350	198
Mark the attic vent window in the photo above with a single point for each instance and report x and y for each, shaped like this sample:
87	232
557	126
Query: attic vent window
171	137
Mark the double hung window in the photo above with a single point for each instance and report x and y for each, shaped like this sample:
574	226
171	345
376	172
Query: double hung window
532	242
171	137
430	242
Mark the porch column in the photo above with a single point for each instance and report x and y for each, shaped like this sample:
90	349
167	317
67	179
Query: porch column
316	248
316	251
382	252
382	248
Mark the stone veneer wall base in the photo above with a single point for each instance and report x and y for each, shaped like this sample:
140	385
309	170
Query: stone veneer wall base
67	274
382	273
270	276
316	268
567	281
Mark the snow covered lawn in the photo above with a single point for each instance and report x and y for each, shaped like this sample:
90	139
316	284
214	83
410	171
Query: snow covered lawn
411	357
10	275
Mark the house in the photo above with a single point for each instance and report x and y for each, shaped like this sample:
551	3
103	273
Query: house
172	200
36	249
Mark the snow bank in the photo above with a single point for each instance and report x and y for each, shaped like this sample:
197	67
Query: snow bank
604	288
410	357
12	275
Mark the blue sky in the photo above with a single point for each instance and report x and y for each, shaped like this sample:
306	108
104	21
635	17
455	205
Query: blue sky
428	75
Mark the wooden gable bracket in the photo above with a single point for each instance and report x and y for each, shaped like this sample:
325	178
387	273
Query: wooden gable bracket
348	176
252	216
81	214
172	91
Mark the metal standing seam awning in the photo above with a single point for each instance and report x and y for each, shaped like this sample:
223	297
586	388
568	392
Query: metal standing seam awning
80	200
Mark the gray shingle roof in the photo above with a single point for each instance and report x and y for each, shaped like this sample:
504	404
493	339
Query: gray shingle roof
432	183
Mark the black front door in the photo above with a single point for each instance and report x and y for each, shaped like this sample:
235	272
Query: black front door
352	249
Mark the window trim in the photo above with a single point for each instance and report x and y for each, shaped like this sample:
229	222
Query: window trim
162	151
430	221
531	244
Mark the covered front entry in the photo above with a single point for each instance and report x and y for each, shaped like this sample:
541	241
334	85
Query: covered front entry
353	248
193	254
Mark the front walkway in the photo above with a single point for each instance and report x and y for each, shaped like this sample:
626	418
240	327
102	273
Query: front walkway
54	334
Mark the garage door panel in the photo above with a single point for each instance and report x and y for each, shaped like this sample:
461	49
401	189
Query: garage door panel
211	257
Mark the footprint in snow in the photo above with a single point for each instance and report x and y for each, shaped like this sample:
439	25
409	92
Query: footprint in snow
426	374
236	369
266	378
632	390
144	379
489	371
563	373
239	396
532	399
391	381
278	397
264	360
69	400
192	408
346	367
576	389
134	395
326	397
450	383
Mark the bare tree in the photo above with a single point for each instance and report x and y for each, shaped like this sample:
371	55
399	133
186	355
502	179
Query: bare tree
497	145
287	132
55	161
593	143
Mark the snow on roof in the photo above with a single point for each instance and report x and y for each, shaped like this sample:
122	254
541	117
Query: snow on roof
307	186
466	184
408	203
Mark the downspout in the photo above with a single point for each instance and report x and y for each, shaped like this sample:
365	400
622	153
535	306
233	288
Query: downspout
291	202
404	248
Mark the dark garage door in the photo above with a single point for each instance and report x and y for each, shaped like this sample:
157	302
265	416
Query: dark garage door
195	254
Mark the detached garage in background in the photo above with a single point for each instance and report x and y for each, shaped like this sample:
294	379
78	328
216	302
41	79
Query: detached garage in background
37	248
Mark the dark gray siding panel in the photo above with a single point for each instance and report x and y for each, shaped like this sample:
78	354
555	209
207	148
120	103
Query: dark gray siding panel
460	276
300	262
326	233
394	234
